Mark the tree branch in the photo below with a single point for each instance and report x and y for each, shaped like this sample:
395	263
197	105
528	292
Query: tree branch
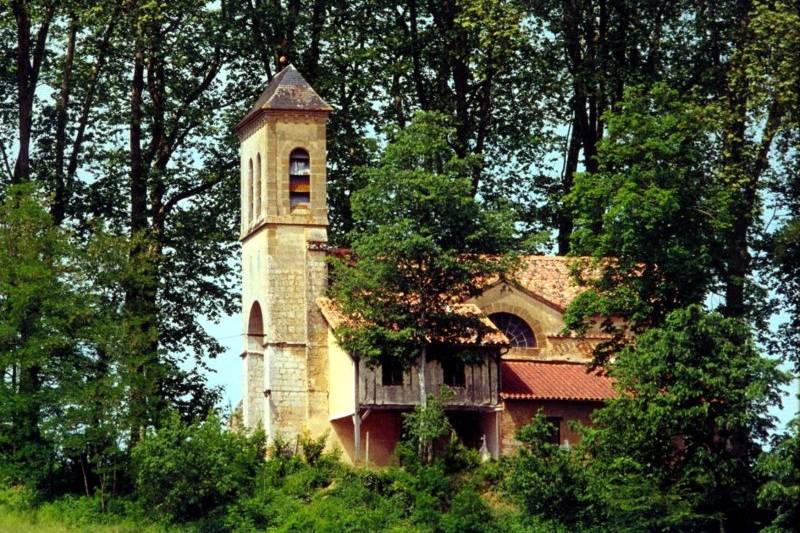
194	191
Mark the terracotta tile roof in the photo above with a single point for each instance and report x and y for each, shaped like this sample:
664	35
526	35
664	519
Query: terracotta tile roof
550	278
288	90
547	276
494	337
333	314
539	380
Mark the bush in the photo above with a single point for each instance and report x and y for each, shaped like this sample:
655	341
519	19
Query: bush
184	471
18	498
468	513
544	479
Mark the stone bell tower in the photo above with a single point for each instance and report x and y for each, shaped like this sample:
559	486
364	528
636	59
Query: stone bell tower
283	235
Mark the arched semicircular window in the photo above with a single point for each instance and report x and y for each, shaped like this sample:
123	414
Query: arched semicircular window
299	178
518	331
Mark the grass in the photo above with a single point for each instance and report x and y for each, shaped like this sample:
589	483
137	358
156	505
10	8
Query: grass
40	521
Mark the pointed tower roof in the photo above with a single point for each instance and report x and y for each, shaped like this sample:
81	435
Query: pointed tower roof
287	91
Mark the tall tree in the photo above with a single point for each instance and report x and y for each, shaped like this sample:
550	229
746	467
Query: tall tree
677	448
56	332
479	63
754	113
177	154
600	48
419	247
33	21
656	178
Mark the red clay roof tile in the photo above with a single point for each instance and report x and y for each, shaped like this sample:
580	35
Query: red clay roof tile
550	277
540	380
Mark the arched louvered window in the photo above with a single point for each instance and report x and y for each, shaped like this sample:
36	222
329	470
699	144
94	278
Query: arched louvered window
518	331
258	187
250	191
299	178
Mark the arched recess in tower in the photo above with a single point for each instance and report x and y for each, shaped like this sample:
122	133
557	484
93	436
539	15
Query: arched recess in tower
255	329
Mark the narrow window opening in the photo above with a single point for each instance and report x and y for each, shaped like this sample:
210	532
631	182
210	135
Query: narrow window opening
555	430
258	186
454	373
391	373
250	191
299	178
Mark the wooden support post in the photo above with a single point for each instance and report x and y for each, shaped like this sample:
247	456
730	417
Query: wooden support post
356	437
356	417
366	452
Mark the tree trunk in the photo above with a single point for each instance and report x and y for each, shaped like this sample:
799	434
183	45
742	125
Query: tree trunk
59	208
423	360
28	62
134	294
425	447
564	217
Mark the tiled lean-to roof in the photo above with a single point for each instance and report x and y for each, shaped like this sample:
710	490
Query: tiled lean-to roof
546	380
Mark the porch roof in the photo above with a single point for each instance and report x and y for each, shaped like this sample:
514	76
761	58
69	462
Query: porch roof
551	380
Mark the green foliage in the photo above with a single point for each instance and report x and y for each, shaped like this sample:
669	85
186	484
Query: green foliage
331	498
21	510
313	448
676	448
186	470
468	513
426	424
547	481
656	179
780	467
420	241
100	330
59	340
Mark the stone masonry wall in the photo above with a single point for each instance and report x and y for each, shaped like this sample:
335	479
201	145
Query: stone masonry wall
316	335
252	406
285	278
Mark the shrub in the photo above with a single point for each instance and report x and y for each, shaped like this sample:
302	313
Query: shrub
468	513
18	497
425	425
544	479
184	471
311	448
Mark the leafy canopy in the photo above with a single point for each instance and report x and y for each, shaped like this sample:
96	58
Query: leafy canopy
651	207
421	243
683	434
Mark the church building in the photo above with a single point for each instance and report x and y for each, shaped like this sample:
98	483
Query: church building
297	377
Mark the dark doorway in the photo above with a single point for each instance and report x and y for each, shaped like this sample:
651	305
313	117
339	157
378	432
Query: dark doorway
467	425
